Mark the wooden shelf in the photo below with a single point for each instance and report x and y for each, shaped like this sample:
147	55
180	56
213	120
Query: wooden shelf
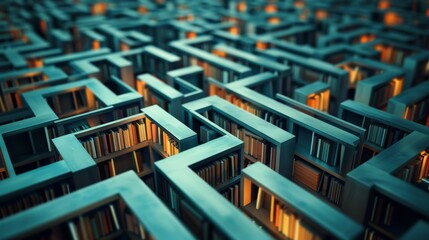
122	152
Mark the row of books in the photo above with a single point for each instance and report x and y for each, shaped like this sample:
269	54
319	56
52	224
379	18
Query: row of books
331	187
161	137
381	95
254	145
258	148
216	90
355	74
383	211
132	225
275	120
220	171
285	221
382	136
246	106
152	98
95	225
318	180
114	140
211	71
390	54
306	174
418	111
232	194
319	100
33	199
10	102
128	111
129	161
324	149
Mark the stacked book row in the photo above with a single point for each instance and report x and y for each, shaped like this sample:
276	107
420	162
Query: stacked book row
121	113
307	174
382	95
247	106
382	136
383	211
220	171
318	180
285	221
232	194
161	137
254	145
116	139
97	224
324	149
34	199
135	227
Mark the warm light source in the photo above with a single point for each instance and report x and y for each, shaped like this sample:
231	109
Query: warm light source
98	8
142	9
392	18
241	7
261	45
234	30
383	4
274	20
191	35
270	8
95	45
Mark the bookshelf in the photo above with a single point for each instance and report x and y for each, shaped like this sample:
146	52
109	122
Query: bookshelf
372	82
214	66
200	207
287	211
46	183
412	165
69	105
412	104
155	91
327	118
386	205
417	69
342	148
258	64
63	61
274	150
383	129
309	70
114	208
315	95
14	83
132	143
106	66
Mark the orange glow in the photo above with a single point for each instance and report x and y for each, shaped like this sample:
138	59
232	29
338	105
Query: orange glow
383	4
386	52
43	26
270	8
98	8
241	7
274	20
261	45
321	14
234	30
35	62
299	4
190	35
142	10
391	18
427	12
367	38
219	53
124	47
95	45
